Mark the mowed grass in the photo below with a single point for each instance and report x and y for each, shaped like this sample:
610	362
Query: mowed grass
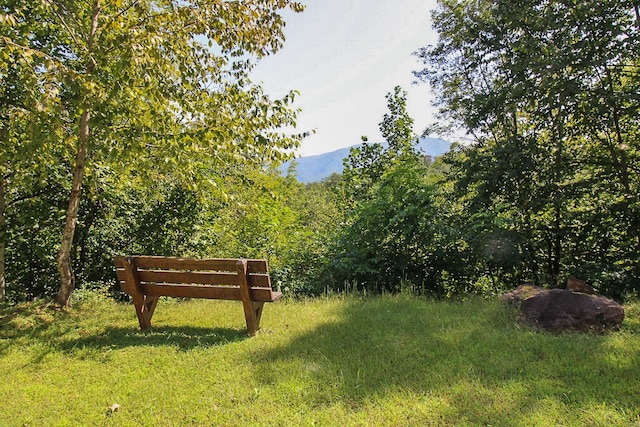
342	361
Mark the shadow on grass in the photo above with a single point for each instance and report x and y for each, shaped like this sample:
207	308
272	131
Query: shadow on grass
47	327
45	324
183	338
464	355
28	320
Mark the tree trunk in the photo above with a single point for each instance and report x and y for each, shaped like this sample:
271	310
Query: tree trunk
3	233
64	254
618	153
67	282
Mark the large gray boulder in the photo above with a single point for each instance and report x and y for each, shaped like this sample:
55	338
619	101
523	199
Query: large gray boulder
559	310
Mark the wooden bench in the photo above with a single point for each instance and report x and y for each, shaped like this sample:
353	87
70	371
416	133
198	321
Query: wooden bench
146	278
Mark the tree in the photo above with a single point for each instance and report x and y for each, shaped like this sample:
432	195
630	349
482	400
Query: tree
366	163
391	229
544	87
156	88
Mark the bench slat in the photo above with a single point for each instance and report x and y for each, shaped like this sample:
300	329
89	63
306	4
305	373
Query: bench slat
195	277
207	264
202	278
207	292
191	291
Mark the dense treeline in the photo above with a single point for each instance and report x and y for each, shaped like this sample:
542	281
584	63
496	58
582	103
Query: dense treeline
548	185
545	186
549	90
260	215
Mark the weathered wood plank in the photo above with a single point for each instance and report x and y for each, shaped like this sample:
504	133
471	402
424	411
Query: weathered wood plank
209	292
170	263
191	291
206	264
195	277
259	280
203	278
257	266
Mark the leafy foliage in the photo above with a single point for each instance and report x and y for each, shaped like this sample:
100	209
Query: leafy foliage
548	90
150	89
392	236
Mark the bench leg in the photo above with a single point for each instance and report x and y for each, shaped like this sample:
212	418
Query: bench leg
253	313
250	315
145	306
257	308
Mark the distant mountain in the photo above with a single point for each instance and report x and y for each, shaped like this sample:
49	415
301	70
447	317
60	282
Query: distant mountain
316	168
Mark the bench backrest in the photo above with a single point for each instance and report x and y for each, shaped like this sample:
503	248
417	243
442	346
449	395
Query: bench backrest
196	278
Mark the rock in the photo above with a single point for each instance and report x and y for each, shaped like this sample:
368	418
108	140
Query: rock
576	285
559	310
519	294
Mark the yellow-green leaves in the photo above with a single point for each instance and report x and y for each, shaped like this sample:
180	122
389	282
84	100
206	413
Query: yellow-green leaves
161	102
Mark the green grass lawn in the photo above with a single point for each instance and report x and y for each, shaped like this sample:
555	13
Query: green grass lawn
395	361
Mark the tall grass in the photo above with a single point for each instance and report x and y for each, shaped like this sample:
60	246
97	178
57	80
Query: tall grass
396	361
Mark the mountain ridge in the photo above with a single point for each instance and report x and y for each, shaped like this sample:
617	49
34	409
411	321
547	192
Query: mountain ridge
317	167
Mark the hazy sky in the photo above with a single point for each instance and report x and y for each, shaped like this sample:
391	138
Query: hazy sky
344	56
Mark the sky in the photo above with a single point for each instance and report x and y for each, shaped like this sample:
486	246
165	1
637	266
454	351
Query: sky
344	56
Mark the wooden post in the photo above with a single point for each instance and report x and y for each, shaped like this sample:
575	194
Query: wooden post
253	321
257	308
145	306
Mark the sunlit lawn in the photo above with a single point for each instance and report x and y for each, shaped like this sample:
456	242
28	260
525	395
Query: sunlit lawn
395	361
